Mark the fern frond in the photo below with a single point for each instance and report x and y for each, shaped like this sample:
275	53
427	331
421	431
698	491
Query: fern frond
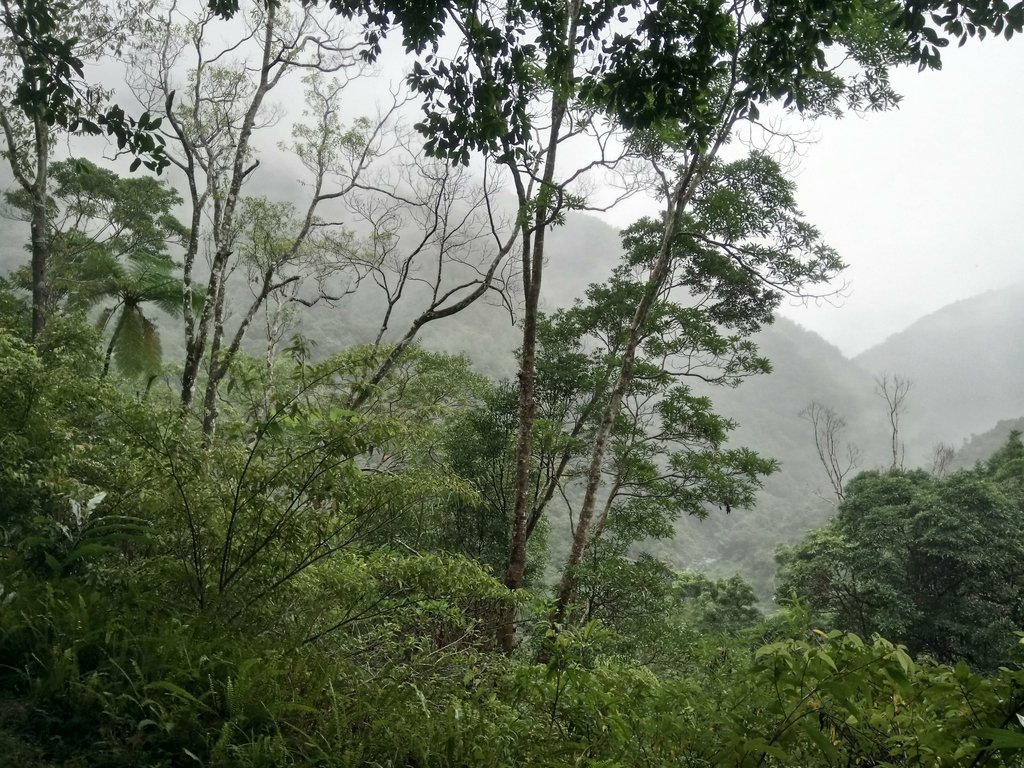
129	350
152	350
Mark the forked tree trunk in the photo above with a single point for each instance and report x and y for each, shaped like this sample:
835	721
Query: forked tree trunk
678	201
39	230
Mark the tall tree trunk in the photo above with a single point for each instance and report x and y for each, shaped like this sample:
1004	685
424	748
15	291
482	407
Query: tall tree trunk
40	259
30	164
210	408
678	201
39	227
516	571
194	345
533	266
218	363
224	226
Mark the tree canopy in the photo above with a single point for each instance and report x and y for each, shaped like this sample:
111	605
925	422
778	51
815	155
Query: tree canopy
930	562
374	555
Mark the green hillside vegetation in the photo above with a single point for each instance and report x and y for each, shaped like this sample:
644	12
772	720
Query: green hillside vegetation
979	447
238	605
768	411
933	563
384	455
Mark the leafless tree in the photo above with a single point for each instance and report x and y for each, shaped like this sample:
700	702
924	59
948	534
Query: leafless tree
894	389
212	85
361	172
436	244
942	458
837	457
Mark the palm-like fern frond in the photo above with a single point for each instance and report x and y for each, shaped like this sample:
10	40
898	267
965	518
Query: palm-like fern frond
134	342
110	249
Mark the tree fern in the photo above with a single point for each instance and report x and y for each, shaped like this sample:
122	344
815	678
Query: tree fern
109	249
129	342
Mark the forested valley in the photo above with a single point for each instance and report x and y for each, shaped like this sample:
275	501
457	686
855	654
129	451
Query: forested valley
335	431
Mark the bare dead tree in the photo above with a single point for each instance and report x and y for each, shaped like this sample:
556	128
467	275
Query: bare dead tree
369	169
837	457
894	389
942	459
436	245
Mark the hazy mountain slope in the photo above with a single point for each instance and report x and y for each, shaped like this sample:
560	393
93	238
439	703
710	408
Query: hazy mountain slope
981	446
579	253
962	359
966	364
767	409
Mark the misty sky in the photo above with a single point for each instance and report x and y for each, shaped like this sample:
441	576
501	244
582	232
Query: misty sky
926	204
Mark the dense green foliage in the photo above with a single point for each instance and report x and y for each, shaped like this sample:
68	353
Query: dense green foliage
931	562
282	597
109	242
307	570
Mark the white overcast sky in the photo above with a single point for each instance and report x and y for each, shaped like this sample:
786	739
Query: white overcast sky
925	203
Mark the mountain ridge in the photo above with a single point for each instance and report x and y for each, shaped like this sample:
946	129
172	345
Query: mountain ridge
962	362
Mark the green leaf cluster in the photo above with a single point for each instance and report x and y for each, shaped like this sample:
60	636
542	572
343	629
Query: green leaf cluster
933	563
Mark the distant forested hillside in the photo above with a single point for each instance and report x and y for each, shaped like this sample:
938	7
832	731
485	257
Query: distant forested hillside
980	446
805	368
767	409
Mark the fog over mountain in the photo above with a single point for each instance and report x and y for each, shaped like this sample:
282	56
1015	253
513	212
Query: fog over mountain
963	360
965	363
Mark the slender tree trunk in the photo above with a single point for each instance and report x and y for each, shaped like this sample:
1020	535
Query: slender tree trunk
194	346
224	224
515	573
274	324
218	363
113	343
210	407
679	200
39	226
40	259
220	358
32	174
533	266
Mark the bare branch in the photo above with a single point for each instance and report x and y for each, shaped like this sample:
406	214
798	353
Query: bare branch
839	459
894	390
